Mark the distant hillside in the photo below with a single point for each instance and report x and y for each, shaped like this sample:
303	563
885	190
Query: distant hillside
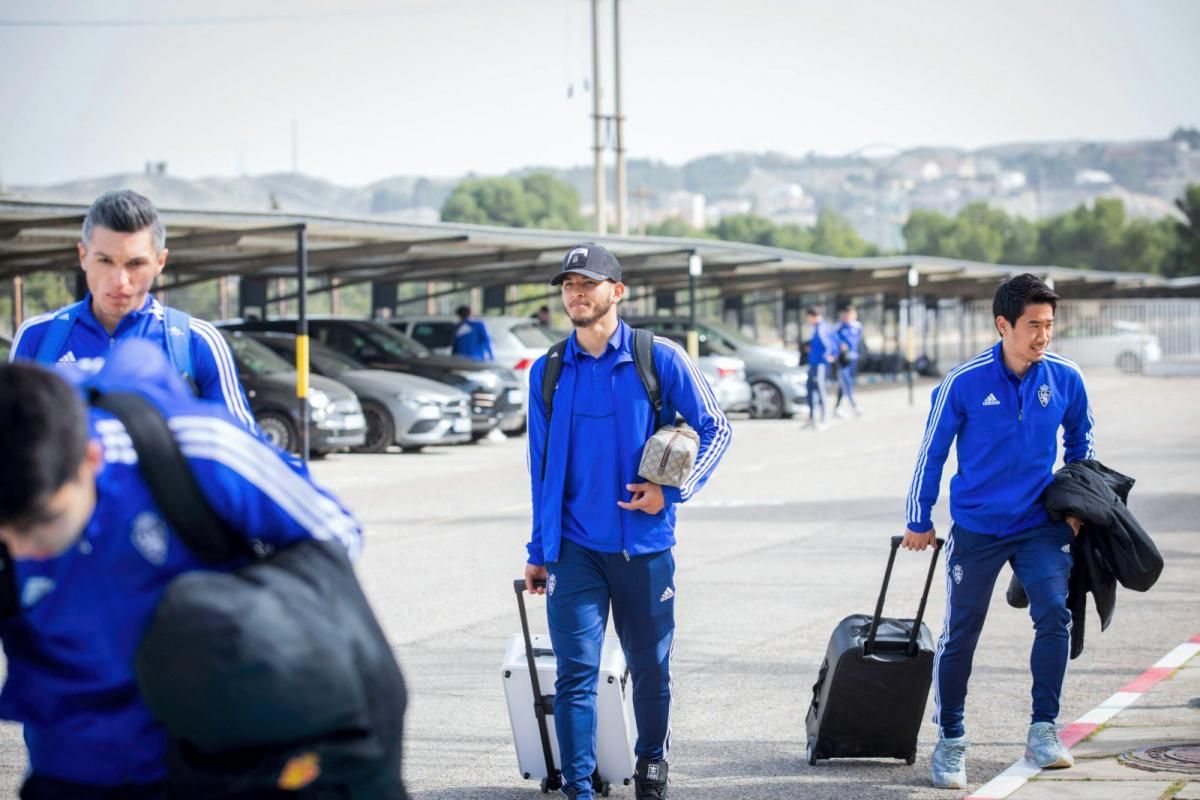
876	193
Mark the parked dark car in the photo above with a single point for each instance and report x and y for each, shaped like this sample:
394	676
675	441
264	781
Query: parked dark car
406	410
777	383
335	417
496	393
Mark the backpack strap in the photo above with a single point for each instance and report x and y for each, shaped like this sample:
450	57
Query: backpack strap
56	334
170	479
549	384
9	603
177	329
643	359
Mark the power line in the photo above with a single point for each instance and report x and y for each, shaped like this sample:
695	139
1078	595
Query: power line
185	22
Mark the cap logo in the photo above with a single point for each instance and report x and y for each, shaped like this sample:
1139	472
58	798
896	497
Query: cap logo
577	257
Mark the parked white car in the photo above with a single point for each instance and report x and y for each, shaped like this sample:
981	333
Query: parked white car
1117	344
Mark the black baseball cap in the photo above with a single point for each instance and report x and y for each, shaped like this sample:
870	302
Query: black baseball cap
590	260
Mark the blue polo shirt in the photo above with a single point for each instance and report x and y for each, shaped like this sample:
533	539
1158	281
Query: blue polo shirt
591	516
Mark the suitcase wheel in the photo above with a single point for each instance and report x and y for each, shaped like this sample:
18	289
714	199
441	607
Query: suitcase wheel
600	786
911	759
811	752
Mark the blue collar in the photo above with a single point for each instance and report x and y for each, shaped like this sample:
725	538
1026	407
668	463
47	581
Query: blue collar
998	354
621	342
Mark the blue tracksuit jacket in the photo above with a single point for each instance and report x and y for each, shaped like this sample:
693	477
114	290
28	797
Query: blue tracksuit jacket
71	648
849	334
821	344
1006	431
684	390
471	340
212	363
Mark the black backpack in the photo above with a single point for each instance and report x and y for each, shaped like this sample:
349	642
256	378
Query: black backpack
303	672
643	360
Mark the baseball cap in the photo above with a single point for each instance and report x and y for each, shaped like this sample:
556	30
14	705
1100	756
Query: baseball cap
590	260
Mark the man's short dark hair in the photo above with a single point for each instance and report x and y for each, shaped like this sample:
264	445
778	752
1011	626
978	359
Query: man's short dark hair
1017	292
463	312
43	437
124	211
846	308
812	311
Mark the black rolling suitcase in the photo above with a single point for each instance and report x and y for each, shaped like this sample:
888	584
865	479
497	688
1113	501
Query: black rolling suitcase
870	693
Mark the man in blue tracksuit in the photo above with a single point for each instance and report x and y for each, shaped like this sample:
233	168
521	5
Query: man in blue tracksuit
122	250
1004	407
471	339
92	556
822	350
848	336
602	534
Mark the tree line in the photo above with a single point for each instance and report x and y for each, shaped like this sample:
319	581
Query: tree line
1100	236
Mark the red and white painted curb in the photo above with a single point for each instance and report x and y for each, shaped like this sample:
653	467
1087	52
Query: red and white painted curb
1015	776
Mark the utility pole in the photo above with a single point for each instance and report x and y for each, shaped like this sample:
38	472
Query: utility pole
597	121
641	193
622	213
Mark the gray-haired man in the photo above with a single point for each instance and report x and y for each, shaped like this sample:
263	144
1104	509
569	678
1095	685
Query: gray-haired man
122	249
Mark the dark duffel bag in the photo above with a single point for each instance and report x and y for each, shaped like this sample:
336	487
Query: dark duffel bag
275	676
871	690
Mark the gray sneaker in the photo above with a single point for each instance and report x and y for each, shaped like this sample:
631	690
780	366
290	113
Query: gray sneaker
948	766
1044	748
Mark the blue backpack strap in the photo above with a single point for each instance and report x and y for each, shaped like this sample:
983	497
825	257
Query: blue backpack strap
177	328
57	332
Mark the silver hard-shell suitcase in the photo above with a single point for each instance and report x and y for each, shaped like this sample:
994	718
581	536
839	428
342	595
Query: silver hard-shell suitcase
528	672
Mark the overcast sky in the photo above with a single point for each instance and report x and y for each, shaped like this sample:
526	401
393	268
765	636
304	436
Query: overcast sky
436	87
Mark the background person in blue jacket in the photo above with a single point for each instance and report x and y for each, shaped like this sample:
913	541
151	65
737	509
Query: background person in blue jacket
471	339
1004	407
848	336
122	249
822	350
92	557
601	534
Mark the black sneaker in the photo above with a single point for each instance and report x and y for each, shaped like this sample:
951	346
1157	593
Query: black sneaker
650	779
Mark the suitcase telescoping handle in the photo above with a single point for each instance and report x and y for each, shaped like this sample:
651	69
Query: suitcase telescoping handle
542	705
869	644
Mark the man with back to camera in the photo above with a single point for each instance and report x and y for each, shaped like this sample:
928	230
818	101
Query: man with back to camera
848	336
601	534
1004	407
471	339
122	249
91	556
821	353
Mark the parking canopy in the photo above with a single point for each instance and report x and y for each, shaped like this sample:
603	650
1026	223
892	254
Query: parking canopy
204	245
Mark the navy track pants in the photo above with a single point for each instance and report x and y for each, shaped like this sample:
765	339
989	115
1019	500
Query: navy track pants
1041	557
641	591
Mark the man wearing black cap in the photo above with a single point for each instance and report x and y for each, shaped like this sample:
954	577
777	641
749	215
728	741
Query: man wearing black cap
601	534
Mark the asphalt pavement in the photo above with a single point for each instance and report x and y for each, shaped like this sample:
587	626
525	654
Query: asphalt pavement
788	537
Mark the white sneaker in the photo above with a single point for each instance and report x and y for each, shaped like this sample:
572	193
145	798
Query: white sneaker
839	413
1044	748
496	435
948	765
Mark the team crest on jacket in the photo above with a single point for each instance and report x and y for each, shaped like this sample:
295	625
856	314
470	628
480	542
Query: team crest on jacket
957	572
149	537
1044	395
551	582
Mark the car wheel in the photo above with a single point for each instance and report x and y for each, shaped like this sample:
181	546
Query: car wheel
1129	362
412	448
767	401
278	430
381	431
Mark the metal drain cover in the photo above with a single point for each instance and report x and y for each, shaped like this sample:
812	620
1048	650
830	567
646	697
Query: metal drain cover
1184	758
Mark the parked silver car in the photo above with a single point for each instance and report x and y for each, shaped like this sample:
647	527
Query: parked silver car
1118	344
405	410
725	374
516	343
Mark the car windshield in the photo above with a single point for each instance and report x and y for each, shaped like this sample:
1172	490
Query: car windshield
391	341
330	362
256	358
531	334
